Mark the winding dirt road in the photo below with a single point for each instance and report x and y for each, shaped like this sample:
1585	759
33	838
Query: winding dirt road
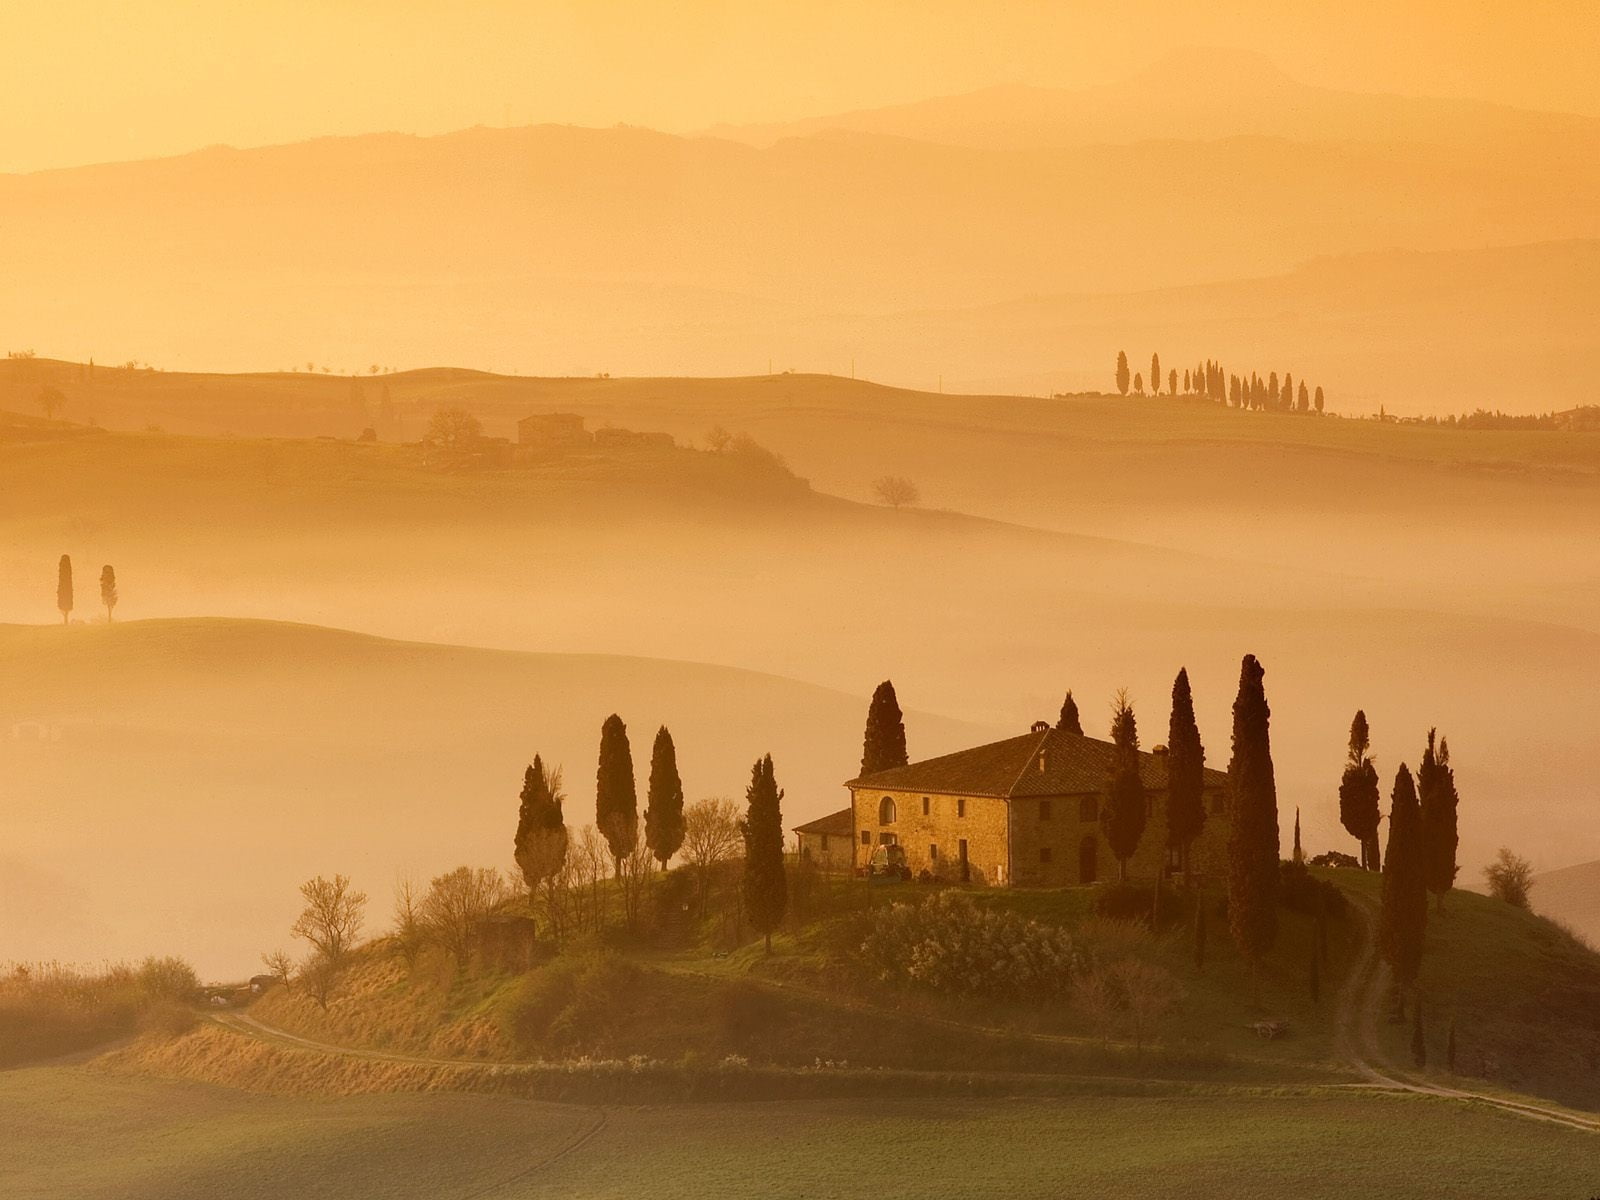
1361	1003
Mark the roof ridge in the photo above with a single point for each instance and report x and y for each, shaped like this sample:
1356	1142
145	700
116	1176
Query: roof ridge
1043	738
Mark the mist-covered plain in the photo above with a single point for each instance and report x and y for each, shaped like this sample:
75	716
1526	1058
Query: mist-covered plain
1434	577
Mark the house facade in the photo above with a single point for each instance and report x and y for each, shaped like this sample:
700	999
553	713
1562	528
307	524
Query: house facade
828	842
1024	811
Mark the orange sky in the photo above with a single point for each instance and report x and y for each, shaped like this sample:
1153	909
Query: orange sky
86	81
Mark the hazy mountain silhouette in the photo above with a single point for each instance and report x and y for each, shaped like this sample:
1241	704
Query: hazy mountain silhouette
1201	93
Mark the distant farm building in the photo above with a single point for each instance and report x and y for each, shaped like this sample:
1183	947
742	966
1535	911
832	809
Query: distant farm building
828	842
552	431
1023	811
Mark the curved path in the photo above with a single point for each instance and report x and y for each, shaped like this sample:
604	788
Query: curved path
1361	1000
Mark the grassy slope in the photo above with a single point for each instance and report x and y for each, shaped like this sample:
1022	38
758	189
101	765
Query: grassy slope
91	1136
250	755
1571	895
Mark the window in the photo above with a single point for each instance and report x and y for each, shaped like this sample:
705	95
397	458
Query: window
961	806
1089	809
1044	810
926	805
824	843
886	811
966	870
933	855
887	839
1088	860
1044	854
866	837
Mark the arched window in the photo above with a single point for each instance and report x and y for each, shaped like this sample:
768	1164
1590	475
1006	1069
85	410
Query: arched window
886	811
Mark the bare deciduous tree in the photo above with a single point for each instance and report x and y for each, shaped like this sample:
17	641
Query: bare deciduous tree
896	491
456	902
1510	878
710	836
332	917
453	429
318	974
717	439
410	930
279	965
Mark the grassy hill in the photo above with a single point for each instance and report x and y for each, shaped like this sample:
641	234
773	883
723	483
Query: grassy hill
1571	895
208	766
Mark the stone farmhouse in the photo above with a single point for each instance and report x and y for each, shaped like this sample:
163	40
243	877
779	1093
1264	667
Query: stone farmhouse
1024	811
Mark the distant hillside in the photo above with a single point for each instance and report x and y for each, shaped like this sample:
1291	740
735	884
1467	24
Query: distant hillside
1571	895
1201	93
578	251
208	766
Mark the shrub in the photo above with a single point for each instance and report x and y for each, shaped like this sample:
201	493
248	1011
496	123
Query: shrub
168	979
949	944
1135	901
1336	858
1302	892
571	1005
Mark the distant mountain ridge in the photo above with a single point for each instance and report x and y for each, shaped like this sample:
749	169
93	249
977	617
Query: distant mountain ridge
1203	93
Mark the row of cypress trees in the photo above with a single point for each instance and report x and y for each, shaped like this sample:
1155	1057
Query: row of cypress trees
540	846
1209	381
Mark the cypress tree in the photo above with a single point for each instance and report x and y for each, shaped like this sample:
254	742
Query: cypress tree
616	797
1318	400
1122	817
1437	785
108	590
1172	382
1155	373
1358	793
663	813
766	890
1068	721
64	588
1253	827
1304	398
1404	915
1299	854
540	847
1122	371
1138	383
884	745
1186	762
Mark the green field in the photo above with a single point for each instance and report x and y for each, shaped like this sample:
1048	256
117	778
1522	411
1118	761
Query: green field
70	1131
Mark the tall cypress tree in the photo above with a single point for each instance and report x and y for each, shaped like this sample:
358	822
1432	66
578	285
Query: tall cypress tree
1155	373
540	848
1186	763
1403	919
1253	824
1068	721
64	588
108	589
1122	371
1299	854
1358	793
766	889
616	797
884	745
663	813
1122	817
1436	783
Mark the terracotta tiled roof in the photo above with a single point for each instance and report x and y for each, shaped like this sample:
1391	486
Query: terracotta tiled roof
842	823
1073	765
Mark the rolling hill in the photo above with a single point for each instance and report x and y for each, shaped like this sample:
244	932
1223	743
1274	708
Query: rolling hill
579	251
207	766
1572	896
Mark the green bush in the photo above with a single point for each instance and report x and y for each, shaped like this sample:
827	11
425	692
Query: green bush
571	1005
947	943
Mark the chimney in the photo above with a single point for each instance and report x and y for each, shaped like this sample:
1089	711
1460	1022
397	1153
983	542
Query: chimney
1159	750
1041	727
